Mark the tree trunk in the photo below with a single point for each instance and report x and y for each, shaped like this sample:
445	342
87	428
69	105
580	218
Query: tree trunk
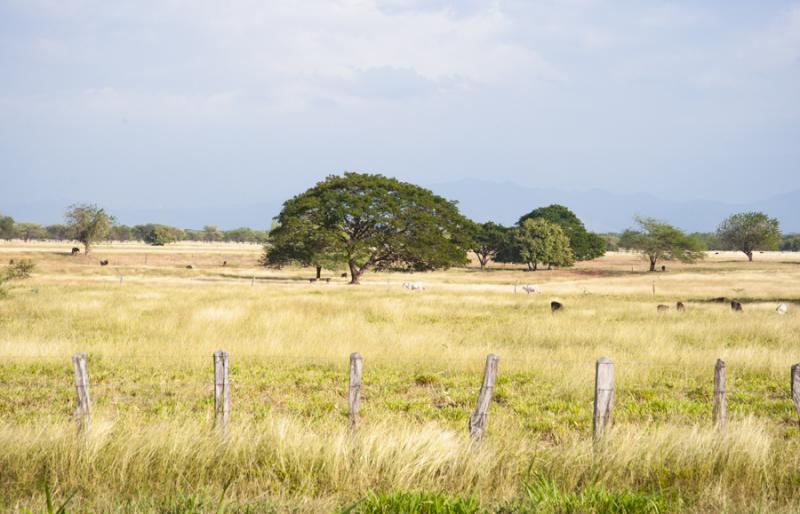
354	272
482	260
86	248
319	271
749	254
652	264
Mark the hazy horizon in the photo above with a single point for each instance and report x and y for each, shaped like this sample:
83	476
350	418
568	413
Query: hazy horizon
176	107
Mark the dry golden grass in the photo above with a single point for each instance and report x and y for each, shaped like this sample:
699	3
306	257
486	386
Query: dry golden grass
150	337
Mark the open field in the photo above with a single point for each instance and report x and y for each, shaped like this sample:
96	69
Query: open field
149	326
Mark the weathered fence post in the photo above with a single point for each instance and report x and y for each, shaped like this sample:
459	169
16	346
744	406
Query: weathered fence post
221	391
83	408
603	396
719	413
253	281
796	388
354	389
479	418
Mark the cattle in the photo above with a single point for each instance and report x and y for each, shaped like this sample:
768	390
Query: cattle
224	263
782	308
663	268
344	275
189	266
530	288
75	250
11	261
556	306
104	263
662	308
736	306
680	306
414	286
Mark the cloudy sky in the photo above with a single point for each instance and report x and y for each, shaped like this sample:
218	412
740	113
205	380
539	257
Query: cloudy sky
187	104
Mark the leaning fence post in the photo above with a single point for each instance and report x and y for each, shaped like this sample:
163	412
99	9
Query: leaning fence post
796	388
603	396
83	408
354	389
719	413
479	418
221	390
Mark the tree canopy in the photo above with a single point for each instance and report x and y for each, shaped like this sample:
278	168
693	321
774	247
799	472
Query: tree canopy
370	221
658	240
750	231
156	234
585	245
487	239
88	223
6	227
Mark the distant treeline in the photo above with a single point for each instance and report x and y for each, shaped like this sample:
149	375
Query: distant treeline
711	241
151	233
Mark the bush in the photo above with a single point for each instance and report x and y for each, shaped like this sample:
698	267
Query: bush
21	269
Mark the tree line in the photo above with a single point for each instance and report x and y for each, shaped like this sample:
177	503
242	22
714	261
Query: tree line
151	233
359	221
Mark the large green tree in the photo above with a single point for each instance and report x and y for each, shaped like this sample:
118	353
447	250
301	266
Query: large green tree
488	240
6	227
750	231
658	240
88	224
156	234
585	245
371	221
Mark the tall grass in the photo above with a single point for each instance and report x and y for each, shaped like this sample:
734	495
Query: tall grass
150	340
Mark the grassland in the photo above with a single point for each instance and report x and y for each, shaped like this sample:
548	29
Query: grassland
149	326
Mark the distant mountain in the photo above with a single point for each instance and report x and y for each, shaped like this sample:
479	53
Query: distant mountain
503	202
601	211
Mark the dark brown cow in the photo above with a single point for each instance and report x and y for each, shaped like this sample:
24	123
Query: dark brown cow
680	306
736	306
663	268
104	263
662	308
75	250
556	306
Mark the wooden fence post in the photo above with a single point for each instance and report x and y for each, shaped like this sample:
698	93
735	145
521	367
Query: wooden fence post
221	391
796	388
479	418
83	408
719	413
603	396
354	389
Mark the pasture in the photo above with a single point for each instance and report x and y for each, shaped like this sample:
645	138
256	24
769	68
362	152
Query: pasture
149	327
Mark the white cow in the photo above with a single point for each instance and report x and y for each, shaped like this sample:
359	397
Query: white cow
530	288
414	286
781	309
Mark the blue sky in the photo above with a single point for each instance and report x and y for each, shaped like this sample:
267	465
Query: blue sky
170	104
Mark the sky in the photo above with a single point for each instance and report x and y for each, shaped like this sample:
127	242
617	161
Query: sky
187	105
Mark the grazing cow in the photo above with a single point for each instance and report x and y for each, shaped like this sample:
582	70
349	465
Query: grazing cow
75	250
190	266
224	263
662	308
680	306
736	306
414	286
104	263
530	288
663	268
781	309
556	306
344	275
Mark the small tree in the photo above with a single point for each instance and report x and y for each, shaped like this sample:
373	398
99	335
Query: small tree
585	245
750	231
29	231
371	221
658	240
488	240
211	233
88	224
540	241
157	235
